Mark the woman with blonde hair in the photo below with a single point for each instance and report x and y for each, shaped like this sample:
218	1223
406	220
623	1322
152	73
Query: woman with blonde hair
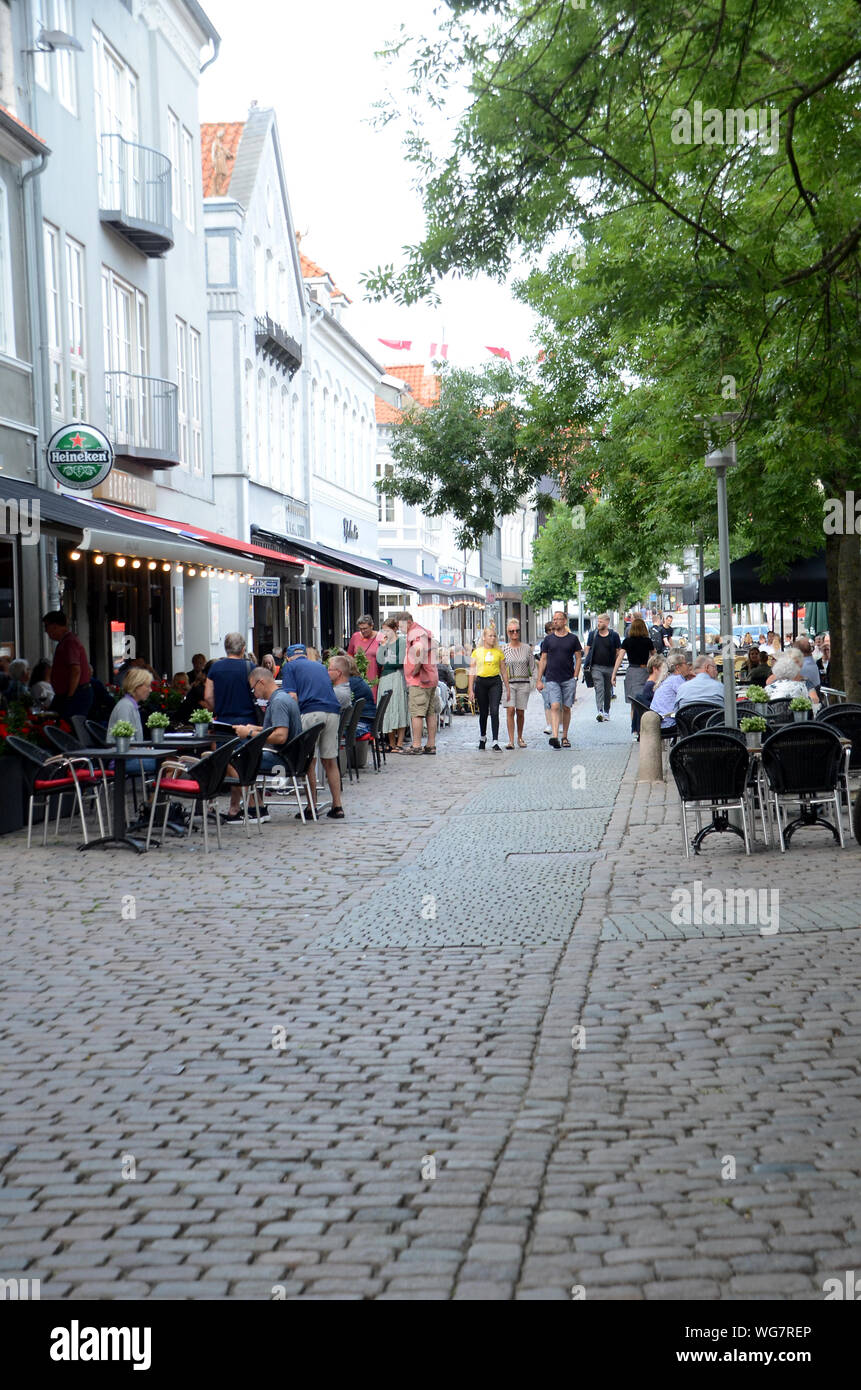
487	675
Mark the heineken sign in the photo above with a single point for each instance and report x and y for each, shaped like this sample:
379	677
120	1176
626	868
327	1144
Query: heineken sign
80	456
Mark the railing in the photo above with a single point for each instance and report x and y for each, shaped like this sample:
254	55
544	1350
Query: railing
135	189
143	415
276	343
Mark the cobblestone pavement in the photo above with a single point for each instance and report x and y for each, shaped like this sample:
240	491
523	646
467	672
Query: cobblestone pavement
228	1075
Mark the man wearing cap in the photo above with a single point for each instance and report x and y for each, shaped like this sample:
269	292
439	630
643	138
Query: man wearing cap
308	683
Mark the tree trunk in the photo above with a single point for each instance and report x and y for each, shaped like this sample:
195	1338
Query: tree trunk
849	588
835	626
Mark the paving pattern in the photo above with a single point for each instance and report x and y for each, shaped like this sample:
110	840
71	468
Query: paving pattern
452	1047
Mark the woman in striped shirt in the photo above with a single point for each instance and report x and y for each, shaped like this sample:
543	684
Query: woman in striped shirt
520	660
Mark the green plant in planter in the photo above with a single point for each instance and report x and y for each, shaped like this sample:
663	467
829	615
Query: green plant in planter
361	660
800	702
758	695
158	721
753	724
123	729
200	716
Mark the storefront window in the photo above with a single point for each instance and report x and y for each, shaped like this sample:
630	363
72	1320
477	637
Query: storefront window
7	601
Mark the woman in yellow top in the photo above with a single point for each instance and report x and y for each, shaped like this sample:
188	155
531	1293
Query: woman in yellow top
487	674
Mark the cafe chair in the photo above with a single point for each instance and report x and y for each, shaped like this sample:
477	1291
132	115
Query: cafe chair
378	743
777	711
350	739
685	716
199	783
703	719
642	708
96	736
710	770
846	719
246	760
60	741
298	757
59	775
804	764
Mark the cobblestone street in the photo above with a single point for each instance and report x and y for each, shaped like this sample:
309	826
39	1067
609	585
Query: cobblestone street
430	1122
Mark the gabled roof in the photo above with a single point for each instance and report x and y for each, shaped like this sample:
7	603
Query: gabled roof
230	139
17	140
423	386
312	271
387	414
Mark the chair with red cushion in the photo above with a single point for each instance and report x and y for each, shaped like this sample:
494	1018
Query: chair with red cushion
201	782
59	775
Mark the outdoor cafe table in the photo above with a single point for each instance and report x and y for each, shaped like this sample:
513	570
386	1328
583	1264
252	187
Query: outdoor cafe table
810	818
158	752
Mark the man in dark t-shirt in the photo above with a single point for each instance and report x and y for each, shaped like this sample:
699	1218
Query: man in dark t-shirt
558	671
604	644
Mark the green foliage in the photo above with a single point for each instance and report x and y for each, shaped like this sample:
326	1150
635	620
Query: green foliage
612	574
200	716
361	660
157	720
753	724
123	729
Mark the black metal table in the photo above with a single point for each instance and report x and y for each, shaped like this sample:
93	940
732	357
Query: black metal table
106	755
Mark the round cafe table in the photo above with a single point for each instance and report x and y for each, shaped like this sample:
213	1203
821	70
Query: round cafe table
119	834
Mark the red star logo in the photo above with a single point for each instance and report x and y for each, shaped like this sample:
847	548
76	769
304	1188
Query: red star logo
77	441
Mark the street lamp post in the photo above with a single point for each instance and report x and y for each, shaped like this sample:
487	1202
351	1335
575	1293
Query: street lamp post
689	561
580	578
721	460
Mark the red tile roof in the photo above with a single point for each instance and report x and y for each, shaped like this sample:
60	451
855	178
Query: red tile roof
312	271
230	139
424	386
10	116
387	414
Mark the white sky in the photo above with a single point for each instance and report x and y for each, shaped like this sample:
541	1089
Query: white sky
349	185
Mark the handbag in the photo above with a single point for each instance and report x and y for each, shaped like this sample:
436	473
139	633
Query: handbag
586	667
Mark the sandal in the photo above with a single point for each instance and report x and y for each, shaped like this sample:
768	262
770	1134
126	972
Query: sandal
336	813
565	743
521	743
413	752
509	745
428	750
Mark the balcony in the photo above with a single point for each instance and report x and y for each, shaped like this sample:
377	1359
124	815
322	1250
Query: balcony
143	418
276	344
135	194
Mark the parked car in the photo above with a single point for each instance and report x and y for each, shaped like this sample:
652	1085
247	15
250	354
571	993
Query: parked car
681	636
756	630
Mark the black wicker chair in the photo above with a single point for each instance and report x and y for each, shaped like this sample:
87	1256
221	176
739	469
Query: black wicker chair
685	716
642	708
710	770
60	741
59	775
777	712
298	757
350	739
378	744
703	720
96	736
803	764
200	783
246	761
846	719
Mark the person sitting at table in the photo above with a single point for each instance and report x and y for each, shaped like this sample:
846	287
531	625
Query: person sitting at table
664	698
196	675
137	687
179	684
656	670
703	687
283	722
349	687
786	681
756	669
271	665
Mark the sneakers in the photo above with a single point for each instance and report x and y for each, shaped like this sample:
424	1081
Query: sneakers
239	818
482	744
600	718
261	815
496	748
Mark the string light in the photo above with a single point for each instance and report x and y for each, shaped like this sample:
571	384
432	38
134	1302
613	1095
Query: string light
166	566
151	565
136	564
121	563
179	569
191	571
98	559
75	555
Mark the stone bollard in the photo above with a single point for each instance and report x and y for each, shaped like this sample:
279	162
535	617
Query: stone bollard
651	768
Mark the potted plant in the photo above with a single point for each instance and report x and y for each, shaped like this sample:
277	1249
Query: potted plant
758	695
123	733
200	716
753	726
157	723
801	707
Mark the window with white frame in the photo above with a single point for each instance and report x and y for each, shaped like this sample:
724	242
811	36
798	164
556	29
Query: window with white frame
262	431
285	439
56	72
182	388
125	324
195	401
274	442
188	177
248	403
173	147
7	319
53	304
76	328
386	503
115	91
295	465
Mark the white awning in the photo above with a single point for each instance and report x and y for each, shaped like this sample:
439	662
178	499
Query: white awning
159	547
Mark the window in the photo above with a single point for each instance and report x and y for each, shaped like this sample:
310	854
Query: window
115	89
76	320
56	72
259	277
182	388
249	416
274	443
296	484
195	406
7	322
7	65
175	171
285	439
188	177
262	438
55	319
386	504
125	324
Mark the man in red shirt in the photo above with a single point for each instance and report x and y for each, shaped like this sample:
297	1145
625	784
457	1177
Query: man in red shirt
70	670
422	678
366	640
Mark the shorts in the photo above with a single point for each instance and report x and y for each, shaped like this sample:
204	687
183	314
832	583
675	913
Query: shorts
519	693
327	745
561	694
421	700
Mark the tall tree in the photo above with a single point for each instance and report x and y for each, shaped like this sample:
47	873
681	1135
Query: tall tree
684	183
564	546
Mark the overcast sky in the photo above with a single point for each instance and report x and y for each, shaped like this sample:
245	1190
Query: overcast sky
349	185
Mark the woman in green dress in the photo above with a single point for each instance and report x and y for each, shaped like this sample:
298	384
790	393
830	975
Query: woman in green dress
390	660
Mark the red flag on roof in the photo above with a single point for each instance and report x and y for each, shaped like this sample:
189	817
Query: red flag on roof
397	344
499	352
443	350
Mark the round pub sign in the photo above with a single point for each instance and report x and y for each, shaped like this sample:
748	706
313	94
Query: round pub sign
80	456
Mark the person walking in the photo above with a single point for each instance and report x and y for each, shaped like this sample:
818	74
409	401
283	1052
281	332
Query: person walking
604	653
520	664
70	669
422	678
487	674
558	672
391	653
548	628
638	646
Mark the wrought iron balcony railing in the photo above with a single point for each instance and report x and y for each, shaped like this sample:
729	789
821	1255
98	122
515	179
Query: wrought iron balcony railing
135	194
143	418
275	343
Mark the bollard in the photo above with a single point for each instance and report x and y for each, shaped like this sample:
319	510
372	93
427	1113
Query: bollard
651	768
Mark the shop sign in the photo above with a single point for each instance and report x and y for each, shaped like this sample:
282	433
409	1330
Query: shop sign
351	530
267	586
450	577
80	456
524	575
127	490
